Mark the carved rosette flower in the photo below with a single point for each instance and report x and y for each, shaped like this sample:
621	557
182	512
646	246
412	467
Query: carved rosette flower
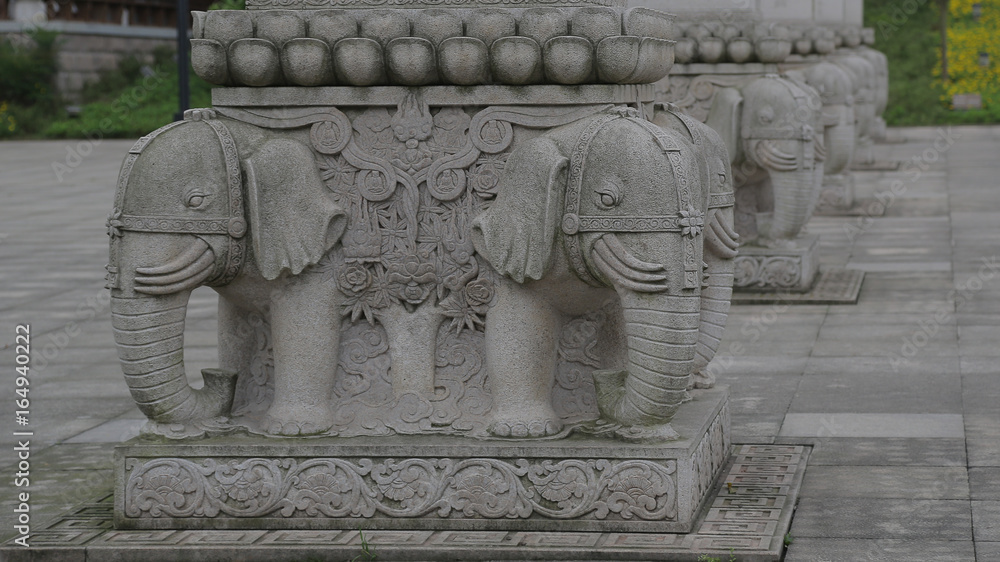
114	224
354	279
486	174
692	221
479	294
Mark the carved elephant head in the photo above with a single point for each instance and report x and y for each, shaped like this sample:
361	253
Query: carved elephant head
772	127
837	93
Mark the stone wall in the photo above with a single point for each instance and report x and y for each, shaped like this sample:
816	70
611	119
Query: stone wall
86	49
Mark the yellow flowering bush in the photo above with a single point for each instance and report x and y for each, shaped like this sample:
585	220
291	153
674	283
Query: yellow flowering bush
967	38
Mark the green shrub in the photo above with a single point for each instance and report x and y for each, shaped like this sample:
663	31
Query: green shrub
27	71
132	101
28	68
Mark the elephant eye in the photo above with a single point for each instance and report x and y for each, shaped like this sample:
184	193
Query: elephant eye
195	200
608	196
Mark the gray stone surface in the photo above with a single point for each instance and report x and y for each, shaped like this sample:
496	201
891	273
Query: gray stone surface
742	517
882	518
864	550
825	425
944	214
930	483
868	452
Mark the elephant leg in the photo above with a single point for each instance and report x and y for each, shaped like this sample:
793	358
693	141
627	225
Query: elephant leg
305	323
238	347
522	337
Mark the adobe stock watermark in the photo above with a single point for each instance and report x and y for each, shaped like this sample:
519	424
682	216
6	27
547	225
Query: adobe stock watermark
899	15
55	342
122	107
929	327
913	169
752	329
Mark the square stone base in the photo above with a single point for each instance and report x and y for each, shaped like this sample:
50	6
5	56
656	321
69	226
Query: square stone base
789	269
835	286
837	194
579	483
747	517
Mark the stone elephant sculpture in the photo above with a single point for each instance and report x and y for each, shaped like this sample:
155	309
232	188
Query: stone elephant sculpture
835	88
611	207
193	201
772	128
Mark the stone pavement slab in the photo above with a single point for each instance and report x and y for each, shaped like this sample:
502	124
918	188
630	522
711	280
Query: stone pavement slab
855	550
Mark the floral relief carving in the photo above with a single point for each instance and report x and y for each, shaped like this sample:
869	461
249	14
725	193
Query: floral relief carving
768	271
445	488
407	250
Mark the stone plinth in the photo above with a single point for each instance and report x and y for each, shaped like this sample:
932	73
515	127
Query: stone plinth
837	194
583	483
792	268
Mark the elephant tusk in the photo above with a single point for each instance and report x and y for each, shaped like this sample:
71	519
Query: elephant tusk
206	260
615	263
620	280
189	256
622	253
187	284
718	246
728	233
771	157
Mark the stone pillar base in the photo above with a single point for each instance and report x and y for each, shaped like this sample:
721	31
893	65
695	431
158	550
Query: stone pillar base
837	194
584	483
793	268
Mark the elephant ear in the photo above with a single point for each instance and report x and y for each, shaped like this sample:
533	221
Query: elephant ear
517	234
725	116
293	220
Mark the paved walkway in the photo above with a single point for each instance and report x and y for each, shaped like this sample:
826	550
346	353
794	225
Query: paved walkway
900	394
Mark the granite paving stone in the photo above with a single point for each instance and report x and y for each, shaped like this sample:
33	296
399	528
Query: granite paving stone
986	520
932	452
883	518
902	482
868	550
984	483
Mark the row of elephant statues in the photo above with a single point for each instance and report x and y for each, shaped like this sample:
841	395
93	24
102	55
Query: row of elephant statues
793	136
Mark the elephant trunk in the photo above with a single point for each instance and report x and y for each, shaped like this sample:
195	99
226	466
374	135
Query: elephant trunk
840	145
149	333
795	194
662	334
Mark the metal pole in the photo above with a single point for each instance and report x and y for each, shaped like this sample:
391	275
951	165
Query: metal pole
184	93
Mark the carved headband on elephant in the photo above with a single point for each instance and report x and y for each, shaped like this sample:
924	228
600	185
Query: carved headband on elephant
772	129
189	196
